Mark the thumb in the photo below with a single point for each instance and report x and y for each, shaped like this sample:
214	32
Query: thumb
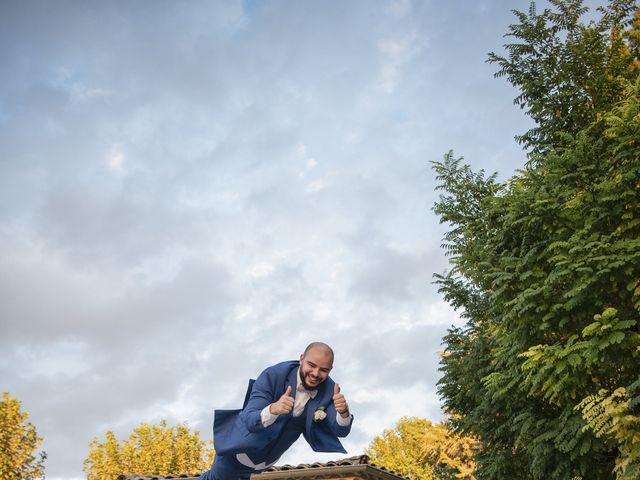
336	389
287	393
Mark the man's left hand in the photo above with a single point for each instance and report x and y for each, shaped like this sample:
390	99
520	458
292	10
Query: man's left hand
339	402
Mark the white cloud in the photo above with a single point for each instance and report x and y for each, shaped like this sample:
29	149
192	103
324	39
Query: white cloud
301	149
408	402
396	54
67	358
261	269
399	8
115	160
317	185
192	193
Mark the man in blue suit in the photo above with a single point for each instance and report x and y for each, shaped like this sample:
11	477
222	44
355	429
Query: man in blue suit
287	400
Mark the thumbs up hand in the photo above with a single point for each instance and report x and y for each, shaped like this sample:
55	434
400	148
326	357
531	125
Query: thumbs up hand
339	401
284	403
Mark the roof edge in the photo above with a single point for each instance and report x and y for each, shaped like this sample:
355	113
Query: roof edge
366	470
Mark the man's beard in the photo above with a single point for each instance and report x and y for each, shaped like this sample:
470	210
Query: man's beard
305	384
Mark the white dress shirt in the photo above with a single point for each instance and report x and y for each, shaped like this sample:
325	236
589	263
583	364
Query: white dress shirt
302	397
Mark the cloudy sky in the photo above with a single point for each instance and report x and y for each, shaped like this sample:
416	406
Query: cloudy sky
191	191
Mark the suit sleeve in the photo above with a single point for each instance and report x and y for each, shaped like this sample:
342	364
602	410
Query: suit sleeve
332	422
262	394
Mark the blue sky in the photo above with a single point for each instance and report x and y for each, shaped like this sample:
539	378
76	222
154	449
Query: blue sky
192	191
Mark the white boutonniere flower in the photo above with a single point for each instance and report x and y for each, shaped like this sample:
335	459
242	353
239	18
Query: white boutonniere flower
319	414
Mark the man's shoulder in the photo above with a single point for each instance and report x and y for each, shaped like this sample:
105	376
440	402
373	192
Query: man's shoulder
283	367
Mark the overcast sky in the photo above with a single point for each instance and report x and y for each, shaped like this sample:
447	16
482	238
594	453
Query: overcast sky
191	191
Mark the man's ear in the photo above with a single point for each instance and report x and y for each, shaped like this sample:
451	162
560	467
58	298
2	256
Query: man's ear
301	358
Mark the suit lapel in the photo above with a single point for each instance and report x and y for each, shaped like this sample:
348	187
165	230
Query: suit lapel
292	381
314	403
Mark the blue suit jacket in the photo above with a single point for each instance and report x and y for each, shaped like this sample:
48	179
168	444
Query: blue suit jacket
241	431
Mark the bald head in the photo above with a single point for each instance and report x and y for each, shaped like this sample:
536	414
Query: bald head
315	364
321	348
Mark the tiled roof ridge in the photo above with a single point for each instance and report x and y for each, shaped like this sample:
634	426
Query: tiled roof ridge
356	460
302	468
344	462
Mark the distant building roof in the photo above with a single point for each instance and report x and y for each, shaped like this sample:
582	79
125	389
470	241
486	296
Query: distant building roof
352	467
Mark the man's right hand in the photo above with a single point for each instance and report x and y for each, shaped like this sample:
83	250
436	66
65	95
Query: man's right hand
283	405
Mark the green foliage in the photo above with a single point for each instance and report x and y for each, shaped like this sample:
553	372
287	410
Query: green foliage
18	443
568	73
150	449
615	415
633	39
546	268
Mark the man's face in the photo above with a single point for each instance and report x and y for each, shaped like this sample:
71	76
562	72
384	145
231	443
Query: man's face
315	367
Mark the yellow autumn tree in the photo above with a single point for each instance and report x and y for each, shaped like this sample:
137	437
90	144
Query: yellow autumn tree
421	450
150	449
18	443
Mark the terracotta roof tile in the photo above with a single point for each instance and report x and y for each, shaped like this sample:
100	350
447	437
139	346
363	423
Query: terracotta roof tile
333	465
360	462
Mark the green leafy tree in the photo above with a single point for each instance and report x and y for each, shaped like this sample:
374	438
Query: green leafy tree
18	443
632	36
421	450
614	415
568	73
546	267
150	449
